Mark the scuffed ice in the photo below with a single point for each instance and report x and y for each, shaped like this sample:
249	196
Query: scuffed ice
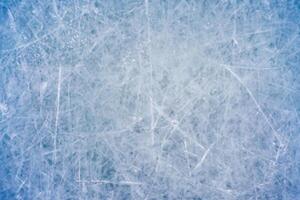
182	99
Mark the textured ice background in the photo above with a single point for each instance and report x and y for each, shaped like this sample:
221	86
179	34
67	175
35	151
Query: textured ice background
128	99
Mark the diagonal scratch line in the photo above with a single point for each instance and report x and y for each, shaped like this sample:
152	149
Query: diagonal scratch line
199	164
255	101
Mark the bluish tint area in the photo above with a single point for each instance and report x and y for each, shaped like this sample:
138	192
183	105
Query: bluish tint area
169	99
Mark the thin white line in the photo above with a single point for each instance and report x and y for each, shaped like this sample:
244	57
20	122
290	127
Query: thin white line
57	110
256	103
199	164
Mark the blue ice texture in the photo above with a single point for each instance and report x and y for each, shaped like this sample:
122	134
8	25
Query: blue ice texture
149	99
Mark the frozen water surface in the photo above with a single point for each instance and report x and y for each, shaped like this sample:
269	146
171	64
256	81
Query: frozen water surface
170	99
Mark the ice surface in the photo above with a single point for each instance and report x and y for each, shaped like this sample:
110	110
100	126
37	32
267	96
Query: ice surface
150	99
